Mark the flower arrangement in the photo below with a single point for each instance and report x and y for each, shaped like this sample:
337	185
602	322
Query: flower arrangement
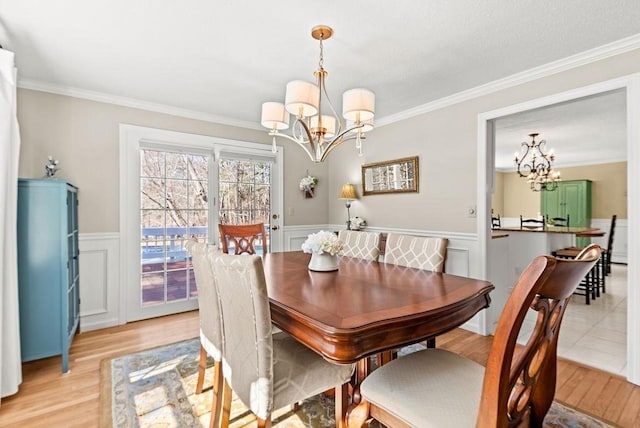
52	167
307	184
322	242
357	223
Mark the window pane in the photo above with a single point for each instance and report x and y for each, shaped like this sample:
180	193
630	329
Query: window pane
176	196
176	165
198	195
152	193
151	163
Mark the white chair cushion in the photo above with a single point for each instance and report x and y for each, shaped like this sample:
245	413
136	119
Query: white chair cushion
433	388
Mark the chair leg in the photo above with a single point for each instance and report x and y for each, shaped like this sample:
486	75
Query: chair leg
342	402
225	412
202	366
431	342
218	390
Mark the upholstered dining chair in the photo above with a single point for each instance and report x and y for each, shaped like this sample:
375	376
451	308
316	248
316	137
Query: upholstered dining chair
267	371
361	245
202	255
243	238
420	252
438	388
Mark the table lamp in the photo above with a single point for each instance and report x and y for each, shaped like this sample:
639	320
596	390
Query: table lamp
348	192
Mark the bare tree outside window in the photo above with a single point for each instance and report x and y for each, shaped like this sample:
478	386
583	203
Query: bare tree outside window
244	191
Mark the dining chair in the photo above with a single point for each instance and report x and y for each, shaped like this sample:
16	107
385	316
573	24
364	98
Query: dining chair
209	315
532	223
558	221
438	388
495	222
243	238
420	252
595	283
267	371
361	245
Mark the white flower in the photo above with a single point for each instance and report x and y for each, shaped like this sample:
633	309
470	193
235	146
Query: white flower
358	222
308	183
322	242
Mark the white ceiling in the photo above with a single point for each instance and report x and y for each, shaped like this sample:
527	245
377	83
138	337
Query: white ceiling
587	131
224	58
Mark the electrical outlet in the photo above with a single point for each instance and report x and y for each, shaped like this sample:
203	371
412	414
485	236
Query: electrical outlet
290	211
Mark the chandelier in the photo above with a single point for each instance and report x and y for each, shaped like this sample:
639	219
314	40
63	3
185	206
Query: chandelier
313	130
538	171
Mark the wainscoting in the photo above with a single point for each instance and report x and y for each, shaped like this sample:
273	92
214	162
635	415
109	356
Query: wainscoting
99	280
100	303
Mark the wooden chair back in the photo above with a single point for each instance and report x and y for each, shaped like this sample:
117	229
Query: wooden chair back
518	387
610	244
558	221
243	239
531	223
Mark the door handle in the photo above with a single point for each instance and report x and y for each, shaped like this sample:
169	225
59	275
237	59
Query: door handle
274	227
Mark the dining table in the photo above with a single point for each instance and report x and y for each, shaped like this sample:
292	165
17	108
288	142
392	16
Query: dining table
366	308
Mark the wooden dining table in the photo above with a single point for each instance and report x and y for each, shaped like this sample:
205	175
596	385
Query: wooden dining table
365	308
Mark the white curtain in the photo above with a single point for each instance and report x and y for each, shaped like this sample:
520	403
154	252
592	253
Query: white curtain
11	374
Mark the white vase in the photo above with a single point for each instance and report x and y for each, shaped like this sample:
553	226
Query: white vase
323	262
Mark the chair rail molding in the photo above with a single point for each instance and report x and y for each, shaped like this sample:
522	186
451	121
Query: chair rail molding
99	280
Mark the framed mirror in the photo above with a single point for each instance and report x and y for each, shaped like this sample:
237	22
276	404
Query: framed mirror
394	176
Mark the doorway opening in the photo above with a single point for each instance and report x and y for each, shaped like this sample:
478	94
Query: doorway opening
486	154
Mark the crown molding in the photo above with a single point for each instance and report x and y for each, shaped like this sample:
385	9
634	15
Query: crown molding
605	51
133	103
583	58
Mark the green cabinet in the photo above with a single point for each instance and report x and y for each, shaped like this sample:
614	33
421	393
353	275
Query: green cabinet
48	277
573	198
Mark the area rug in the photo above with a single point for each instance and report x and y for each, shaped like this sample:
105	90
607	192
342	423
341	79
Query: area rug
156	388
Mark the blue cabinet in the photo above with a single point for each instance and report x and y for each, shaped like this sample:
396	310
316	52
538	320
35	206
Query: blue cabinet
48	277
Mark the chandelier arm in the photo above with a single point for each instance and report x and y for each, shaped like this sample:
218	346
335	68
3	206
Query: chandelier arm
333	110
524	156
300	140
295	140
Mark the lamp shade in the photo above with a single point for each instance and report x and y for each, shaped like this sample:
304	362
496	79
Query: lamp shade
274	116
328	125
301	98
348	191
358	104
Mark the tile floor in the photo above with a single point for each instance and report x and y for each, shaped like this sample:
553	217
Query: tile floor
596	334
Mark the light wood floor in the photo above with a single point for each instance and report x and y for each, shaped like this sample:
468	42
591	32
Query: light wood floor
48	398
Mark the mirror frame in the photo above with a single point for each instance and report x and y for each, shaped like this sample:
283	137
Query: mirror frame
412	161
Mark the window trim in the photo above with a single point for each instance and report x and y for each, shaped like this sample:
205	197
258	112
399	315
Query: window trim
132	138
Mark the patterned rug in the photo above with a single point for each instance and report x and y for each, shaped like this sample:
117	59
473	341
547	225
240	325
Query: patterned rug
156	388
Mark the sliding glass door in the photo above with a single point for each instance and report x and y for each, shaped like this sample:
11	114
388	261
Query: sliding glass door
182	191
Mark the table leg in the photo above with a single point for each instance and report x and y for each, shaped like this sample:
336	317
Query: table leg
358	411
